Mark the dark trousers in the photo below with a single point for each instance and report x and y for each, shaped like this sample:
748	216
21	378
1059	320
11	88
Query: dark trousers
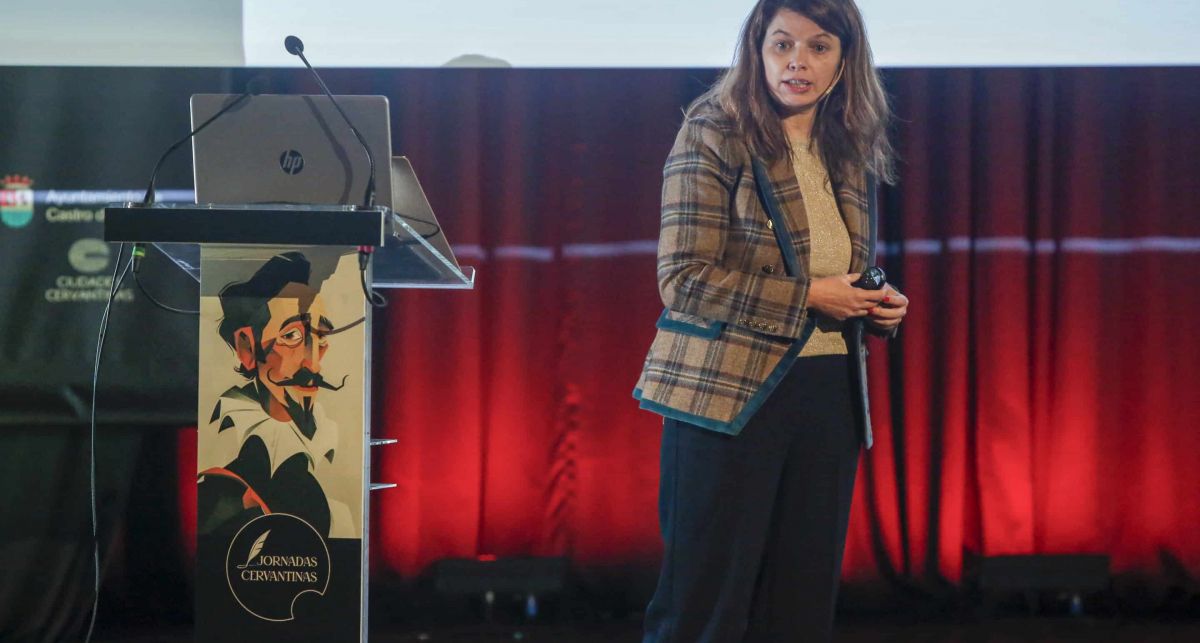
755	524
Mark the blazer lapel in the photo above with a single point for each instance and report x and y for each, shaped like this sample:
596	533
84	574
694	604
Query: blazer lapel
785	207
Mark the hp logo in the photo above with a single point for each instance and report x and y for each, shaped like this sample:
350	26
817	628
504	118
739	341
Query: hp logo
291	162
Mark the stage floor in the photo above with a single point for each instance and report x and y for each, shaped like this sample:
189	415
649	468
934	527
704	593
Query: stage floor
1008	630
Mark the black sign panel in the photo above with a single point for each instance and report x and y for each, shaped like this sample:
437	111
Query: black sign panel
75	140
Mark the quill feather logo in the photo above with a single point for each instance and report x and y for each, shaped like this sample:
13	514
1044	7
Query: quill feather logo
271	583
255	549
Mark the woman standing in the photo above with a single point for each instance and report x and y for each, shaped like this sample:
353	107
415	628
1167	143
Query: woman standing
758	366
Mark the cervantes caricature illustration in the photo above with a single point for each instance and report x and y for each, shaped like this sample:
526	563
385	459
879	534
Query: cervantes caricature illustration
274	442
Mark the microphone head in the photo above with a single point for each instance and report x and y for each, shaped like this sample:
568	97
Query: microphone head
293	45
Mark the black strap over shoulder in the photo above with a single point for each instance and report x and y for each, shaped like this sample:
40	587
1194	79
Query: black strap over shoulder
872	187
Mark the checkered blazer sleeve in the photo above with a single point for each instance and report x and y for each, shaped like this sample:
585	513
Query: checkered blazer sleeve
695	245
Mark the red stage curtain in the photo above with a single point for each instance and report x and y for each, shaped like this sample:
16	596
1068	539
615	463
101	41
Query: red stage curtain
1042	397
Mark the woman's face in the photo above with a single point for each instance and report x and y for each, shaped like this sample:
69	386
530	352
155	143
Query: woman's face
800	61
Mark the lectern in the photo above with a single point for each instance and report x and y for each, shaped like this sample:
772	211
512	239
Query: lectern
284	448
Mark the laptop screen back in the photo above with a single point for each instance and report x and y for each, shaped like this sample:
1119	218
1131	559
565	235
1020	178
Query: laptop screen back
290	149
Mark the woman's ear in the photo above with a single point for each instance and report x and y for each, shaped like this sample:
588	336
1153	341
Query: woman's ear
243	342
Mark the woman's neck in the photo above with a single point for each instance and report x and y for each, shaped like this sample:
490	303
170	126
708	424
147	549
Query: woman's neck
798	126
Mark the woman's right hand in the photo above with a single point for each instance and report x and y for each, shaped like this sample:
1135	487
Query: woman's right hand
835	297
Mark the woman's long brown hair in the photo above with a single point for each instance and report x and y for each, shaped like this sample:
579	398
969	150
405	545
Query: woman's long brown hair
851	124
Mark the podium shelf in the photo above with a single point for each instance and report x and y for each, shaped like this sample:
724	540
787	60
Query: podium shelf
403	258
246	224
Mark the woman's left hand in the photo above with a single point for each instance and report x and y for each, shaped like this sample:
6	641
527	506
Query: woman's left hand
891	311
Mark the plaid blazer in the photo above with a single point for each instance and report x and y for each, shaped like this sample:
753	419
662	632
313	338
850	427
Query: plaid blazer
732	272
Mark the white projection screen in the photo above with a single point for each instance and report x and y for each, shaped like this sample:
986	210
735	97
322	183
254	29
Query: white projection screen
581	33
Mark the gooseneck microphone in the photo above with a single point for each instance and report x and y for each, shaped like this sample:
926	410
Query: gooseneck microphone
253	88
295	47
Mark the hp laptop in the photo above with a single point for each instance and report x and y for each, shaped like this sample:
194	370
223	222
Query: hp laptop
298	149
290	149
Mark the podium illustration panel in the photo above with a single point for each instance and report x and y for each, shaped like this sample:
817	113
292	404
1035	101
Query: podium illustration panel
282	449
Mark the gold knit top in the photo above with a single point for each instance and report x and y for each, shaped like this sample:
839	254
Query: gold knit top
829	251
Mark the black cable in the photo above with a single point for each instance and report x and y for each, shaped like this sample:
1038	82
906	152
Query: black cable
148	199
373	296
167	307
115	287
138	255
437	229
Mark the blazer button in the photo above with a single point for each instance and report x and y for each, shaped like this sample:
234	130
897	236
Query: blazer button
769	269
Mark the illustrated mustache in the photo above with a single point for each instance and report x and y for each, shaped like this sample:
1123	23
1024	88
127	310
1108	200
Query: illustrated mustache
307	378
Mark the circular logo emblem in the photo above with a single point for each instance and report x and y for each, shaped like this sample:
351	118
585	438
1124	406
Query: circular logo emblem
16	201
88	255
291	162
16	218
272	561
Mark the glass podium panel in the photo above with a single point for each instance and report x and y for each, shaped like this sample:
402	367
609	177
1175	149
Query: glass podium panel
185	256
403	257
408	260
